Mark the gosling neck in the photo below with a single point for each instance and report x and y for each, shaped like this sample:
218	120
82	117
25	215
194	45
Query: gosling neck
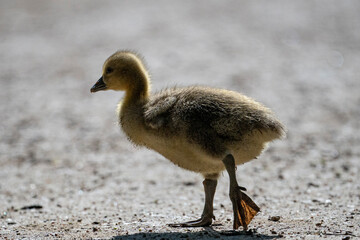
139	90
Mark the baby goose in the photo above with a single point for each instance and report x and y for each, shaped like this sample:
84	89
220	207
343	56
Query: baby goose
201	129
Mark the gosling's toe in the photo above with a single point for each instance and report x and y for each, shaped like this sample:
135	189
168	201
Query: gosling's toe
201	222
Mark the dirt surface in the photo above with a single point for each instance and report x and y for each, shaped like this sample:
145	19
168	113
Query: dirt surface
68	172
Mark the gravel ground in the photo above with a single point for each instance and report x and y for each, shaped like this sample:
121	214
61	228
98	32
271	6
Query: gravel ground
68	172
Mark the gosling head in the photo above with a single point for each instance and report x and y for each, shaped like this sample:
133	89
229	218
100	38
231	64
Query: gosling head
121	71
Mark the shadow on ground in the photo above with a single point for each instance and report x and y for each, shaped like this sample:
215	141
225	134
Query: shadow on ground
207	233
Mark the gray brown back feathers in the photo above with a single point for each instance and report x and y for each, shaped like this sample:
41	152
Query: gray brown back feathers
212	118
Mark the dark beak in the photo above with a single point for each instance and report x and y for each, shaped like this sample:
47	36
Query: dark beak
98	86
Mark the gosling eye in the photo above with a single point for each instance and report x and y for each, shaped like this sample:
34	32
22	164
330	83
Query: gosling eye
109	70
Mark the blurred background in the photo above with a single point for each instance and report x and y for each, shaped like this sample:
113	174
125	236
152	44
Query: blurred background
61	148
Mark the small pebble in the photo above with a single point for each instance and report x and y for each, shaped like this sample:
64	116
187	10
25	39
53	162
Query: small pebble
274	218
35	206
10	221
189	183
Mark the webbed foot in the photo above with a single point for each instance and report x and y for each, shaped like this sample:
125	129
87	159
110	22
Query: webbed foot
202	222
207	216
244	209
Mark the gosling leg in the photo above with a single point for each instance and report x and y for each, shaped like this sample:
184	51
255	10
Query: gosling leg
207	215
244	208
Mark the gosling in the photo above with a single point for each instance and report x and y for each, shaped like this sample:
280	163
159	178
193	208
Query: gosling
201	129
